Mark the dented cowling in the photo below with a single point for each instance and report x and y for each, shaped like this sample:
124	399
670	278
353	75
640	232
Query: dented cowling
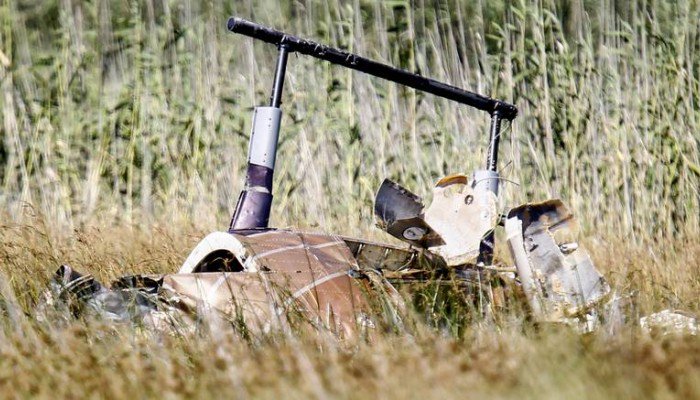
400	213
275	270
460	215
253	278
557	275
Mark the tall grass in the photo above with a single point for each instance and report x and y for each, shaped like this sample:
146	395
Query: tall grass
499	358
141	110
124	136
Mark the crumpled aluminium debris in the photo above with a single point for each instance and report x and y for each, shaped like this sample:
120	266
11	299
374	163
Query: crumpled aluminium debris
131	299
453	226
668	322
557	275
254	277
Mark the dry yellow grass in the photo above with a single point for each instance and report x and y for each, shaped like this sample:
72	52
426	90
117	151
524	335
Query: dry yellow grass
84	358
124	127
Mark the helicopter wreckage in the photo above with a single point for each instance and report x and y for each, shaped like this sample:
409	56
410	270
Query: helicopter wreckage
254	275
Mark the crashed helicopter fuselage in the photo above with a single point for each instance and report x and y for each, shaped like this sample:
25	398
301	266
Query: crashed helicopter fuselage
254	273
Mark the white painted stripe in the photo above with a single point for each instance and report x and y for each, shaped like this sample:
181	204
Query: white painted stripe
275	251
215	287
299	246
258	234
315	283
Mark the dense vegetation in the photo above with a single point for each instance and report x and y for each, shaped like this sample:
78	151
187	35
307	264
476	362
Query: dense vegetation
124	135
140	109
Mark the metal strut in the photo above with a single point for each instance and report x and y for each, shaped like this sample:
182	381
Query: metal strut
255	201
494	140
489	180
253	207
276	96
374	68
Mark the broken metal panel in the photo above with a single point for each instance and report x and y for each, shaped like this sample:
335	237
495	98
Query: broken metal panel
669	322
371	255
233	296
557	275
453	226
313	270
264	300
400	213
281	268
462	214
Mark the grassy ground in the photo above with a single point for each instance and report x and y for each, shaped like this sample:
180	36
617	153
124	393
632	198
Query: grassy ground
124	129
507	359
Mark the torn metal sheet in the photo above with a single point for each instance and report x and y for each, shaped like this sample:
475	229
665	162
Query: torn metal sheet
372	255
462	214
254	279
400	213
557	275
670	322
278	268
453	226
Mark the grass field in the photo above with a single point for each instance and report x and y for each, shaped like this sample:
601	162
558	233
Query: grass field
124	133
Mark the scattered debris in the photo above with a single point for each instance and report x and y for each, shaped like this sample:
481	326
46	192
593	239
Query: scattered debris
669	322
557	275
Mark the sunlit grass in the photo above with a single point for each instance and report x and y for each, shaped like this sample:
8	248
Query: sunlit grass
124	131
131	112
